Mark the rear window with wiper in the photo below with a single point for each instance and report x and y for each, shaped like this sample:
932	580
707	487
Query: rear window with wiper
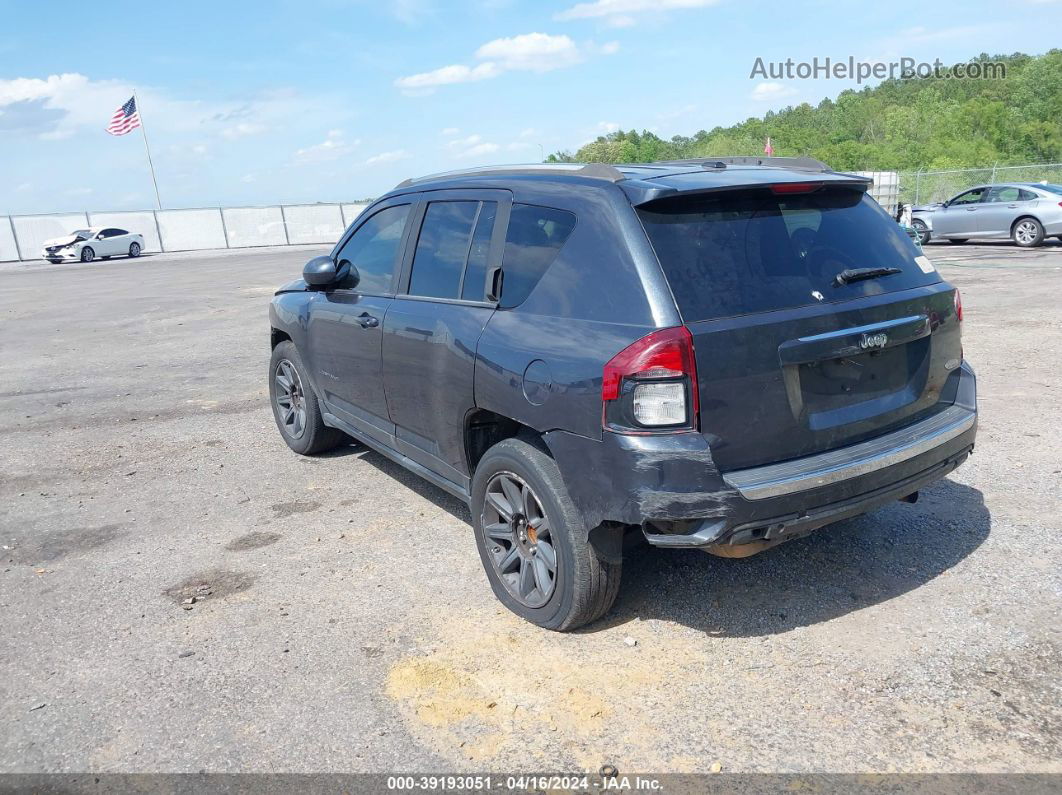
748	251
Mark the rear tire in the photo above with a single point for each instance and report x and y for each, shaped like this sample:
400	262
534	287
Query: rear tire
134	250
87	254
295	406
922	230
1027	232
582	586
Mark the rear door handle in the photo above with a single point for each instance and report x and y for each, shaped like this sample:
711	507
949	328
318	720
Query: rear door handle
1012	206
368	321
970	209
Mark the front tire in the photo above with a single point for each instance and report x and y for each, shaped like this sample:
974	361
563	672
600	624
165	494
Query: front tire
533	543
923	231
295	406
134	250
87	254
1027	233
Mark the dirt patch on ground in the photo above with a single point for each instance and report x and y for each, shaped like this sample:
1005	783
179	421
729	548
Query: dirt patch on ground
209	585
255	540
50	546
481	693
283	509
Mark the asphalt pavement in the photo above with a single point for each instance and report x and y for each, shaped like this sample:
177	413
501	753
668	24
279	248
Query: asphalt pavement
180	592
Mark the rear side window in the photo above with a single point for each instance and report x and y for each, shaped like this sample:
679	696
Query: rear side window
752	251
534	237
451	256
373	249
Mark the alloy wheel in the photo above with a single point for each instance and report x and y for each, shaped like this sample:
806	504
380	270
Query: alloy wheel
519	539
290	399
1026	232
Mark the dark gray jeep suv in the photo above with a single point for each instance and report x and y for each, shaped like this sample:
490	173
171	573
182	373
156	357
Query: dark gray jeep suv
720	354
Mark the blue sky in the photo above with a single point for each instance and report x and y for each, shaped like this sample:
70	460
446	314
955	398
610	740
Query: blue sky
334	100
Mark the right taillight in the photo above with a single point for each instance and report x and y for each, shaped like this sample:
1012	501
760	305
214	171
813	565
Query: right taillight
651	385
958	305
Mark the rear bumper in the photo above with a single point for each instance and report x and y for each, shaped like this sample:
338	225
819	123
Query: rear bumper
671	487
804	474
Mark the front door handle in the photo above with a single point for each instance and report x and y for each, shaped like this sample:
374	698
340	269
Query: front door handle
970	209
368	321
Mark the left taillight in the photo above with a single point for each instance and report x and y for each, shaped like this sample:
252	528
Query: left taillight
651	385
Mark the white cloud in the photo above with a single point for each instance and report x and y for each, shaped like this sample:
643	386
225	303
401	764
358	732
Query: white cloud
769	92
528	52
536	52
625	8
333	147
472	146
447	75
530	132
60	106
388	157
242	130
248	178
410	12
449	131
78	191
607	126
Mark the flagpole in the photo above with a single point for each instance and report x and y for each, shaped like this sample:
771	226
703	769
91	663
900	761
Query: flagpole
143	130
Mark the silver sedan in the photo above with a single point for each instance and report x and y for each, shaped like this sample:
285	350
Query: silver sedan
1025	212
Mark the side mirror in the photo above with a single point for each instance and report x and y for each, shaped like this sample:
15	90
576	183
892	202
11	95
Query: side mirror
348	274
99	236
319	272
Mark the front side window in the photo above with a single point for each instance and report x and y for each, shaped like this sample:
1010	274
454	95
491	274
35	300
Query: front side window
451	256
970	197
532	242
374	248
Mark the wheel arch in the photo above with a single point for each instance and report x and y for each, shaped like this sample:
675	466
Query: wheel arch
1023	217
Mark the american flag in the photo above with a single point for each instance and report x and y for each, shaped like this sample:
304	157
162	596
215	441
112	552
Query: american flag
125	119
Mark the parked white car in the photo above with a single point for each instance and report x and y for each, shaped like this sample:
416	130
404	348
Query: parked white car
88	244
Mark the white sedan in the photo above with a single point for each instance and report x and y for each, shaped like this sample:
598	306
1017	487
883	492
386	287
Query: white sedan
88	244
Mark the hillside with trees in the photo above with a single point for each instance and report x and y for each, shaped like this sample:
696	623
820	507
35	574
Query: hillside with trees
901	124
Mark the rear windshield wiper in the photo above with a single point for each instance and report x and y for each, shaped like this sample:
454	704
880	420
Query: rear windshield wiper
849	275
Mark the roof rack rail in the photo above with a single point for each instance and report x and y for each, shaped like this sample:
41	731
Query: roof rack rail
592	170
801	163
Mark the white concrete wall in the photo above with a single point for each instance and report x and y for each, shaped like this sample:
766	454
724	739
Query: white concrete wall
254	226
8	249
191	230
142	222
313	223
33	230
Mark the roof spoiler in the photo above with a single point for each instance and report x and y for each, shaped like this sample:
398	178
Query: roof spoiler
801	163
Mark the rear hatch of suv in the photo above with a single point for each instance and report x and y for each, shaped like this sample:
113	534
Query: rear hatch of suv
815	320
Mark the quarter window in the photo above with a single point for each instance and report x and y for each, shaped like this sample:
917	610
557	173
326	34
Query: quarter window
534	238
373	250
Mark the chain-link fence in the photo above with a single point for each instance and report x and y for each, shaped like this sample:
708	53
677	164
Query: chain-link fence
22	236
926	187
